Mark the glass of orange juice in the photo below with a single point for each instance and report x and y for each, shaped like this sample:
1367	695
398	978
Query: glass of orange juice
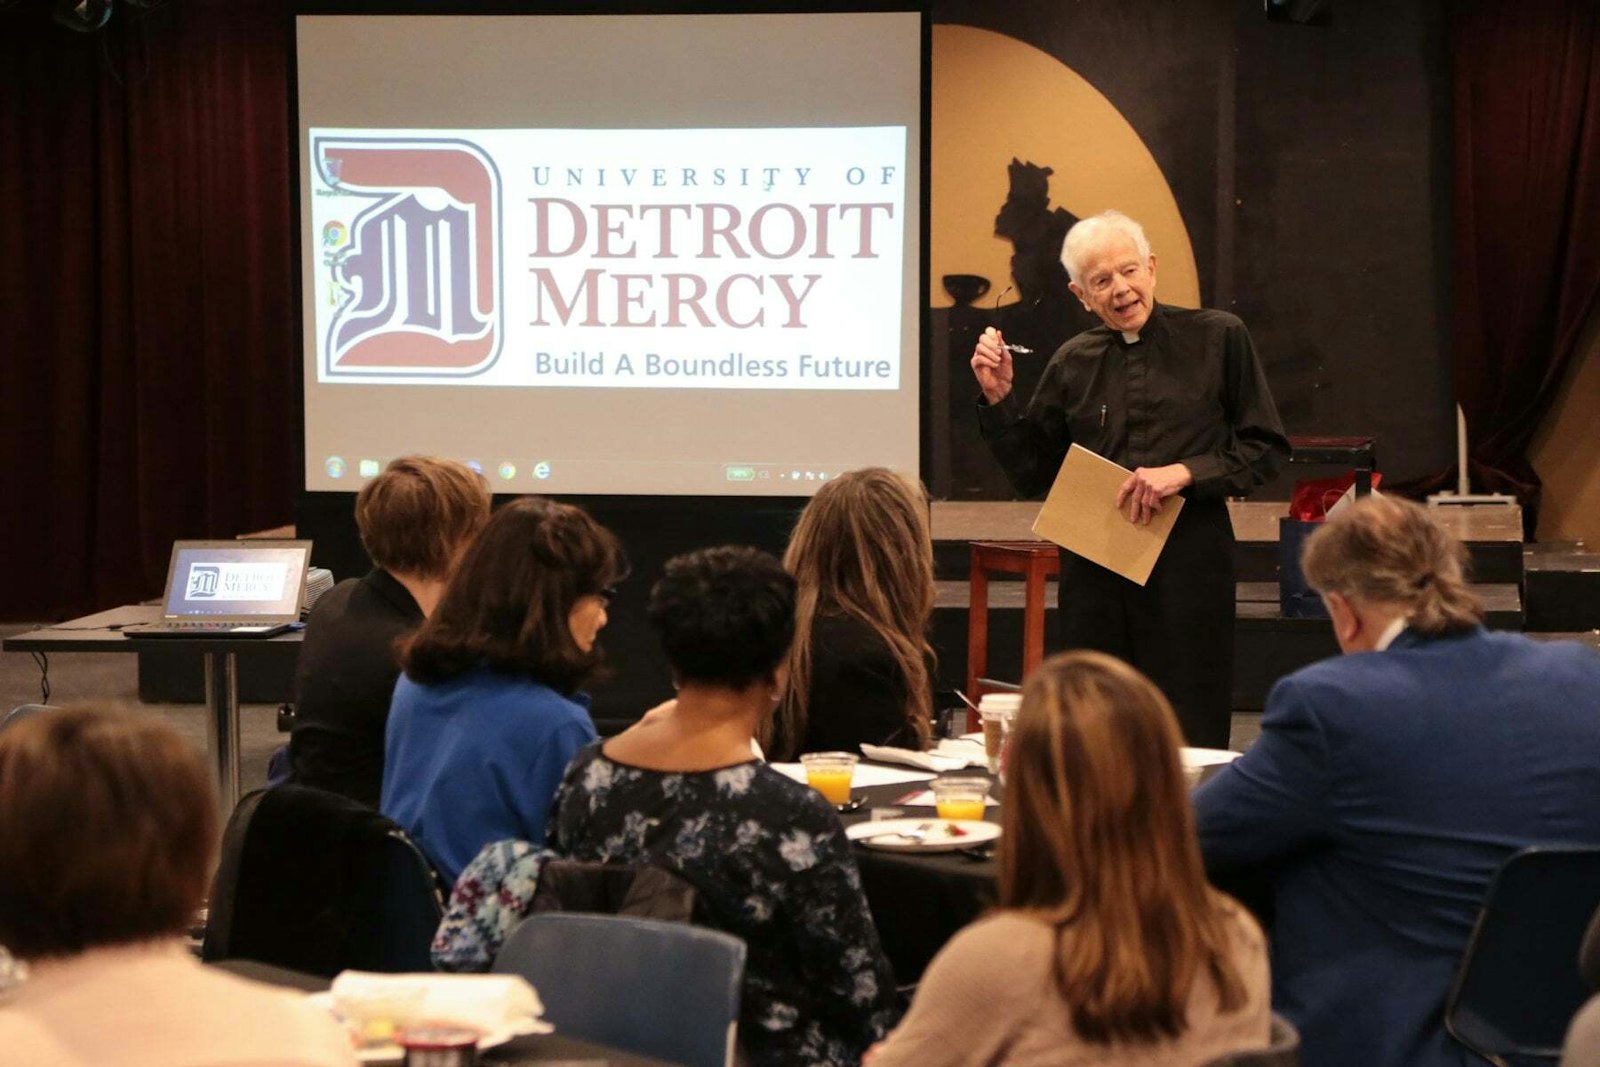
961	797
830	773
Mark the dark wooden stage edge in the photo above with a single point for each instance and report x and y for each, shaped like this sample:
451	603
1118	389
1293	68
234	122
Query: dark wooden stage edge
1268	645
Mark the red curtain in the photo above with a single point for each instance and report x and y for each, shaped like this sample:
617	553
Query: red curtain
1527	220
148	324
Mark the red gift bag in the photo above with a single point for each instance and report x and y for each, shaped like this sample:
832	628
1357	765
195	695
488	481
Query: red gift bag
1308	508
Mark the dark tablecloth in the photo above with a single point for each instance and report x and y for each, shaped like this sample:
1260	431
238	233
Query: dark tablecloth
919	900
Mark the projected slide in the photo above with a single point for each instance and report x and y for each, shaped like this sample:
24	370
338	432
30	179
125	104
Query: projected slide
641	254
722	259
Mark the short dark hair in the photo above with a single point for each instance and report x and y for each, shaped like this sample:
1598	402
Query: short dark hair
509	601
107	826
725	615
415	516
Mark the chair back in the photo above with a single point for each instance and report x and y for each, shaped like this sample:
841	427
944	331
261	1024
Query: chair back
614	889
318	883
1283	1049
660	989
1519	986
24	711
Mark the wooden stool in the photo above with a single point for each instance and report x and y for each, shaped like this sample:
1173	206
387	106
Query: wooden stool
1035	561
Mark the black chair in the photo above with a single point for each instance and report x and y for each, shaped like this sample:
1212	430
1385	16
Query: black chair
614	889
1519	985
660	989
317	883
1283	1049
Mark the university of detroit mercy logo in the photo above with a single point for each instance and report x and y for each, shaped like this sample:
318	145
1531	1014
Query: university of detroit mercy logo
419	282
203	582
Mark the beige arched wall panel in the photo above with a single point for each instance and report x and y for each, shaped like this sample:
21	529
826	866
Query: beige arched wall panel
995	97
1566	450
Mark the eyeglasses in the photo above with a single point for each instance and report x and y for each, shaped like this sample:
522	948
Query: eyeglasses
1018	350
607	594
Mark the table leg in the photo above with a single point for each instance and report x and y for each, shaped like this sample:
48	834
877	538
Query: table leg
1033	620
222	725
977	635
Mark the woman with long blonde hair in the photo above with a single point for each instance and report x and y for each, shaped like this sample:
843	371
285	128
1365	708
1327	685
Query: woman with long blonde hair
1109	946
861	668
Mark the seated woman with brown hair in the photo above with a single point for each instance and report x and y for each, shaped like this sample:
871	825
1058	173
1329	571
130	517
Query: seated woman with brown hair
488	712
108	827
1109	946
861	668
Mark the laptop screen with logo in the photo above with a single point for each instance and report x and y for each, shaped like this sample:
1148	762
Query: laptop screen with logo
246	580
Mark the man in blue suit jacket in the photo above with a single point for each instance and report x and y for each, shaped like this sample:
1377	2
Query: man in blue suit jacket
1390	783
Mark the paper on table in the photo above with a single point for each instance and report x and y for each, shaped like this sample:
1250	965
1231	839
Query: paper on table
1207	757
1081	516
866	774
948	755
485	1001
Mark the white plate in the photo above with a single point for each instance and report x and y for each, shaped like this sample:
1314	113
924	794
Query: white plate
884	834
396	1054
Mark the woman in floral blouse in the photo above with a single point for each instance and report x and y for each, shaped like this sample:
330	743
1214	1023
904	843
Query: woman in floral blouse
680	790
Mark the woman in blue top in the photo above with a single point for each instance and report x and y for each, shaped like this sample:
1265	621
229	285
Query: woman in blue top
487	713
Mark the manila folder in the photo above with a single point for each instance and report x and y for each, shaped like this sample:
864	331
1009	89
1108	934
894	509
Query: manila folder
1081	516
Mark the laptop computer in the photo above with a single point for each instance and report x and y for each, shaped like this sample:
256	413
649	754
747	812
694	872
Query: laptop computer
249	588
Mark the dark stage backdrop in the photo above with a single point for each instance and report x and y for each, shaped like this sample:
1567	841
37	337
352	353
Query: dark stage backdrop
145	313
147	328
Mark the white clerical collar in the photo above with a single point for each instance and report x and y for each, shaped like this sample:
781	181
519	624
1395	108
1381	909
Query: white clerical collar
1390	632
1129	337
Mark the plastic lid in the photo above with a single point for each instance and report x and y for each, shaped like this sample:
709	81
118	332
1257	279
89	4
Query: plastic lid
1000	701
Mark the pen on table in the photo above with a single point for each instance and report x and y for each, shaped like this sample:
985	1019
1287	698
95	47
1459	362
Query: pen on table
909	797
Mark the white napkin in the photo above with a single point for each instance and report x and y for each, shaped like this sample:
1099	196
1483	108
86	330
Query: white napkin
1206	757
485	1002
950	754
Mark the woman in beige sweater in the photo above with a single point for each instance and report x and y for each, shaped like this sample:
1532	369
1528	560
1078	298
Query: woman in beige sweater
108	823
1109	946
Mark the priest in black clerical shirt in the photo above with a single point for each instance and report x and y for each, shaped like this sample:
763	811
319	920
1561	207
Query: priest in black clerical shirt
1178	397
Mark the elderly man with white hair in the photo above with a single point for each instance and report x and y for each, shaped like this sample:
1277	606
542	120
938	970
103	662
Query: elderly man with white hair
1177	396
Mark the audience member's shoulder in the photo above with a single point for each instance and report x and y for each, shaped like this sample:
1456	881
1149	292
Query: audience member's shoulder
1579	659
1244	925
1013	943
586	755
299	1032
337	597
805	803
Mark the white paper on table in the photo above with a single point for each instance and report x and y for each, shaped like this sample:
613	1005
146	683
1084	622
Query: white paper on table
485	1001
1207	757
950	754
924	799
866	774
